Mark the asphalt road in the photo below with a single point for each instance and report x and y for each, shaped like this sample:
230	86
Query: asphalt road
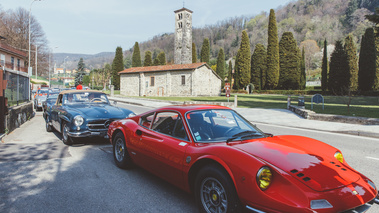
38	173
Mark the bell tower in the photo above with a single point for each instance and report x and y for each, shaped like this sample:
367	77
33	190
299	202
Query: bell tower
183	36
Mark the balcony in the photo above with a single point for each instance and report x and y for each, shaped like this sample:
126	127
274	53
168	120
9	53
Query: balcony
14	67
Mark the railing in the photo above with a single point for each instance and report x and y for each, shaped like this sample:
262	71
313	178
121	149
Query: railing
17	90
14	67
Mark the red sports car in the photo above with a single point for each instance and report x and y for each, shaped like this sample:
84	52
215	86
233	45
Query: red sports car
230	165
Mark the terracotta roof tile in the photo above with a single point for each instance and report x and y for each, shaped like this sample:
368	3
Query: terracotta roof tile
172	67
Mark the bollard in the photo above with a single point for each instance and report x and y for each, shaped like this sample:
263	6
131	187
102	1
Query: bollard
235	101
112	90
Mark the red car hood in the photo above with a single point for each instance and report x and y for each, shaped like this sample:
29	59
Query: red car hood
303	158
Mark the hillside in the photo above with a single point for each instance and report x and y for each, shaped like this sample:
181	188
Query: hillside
306	19
91	61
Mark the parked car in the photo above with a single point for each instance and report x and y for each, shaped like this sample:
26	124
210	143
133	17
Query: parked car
51	99
77	114
230	165
39	98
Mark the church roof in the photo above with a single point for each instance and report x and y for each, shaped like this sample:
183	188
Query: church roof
172	67
183	9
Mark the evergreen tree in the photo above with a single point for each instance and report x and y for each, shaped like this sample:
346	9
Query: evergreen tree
136	59
194	55
374	19
352	60
338	74
162	58
236	84
272	53
259	67
220	70
117	66
148	61
244	59
289	77
367	60
205	51
324	69
79	75
303	75
230	72
156	62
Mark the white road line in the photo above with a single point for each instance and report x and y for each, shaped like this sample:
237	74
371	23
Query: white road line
372	158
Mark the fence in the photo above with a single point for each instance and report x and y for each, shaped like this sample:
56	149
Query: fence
17	90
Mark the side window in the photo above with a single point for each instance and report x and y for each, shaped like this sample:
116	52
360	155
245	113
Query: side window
145	121
169	123
59	102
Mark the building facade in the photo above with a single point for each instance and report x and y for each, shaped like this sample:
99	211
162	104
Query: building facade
183	36
196	79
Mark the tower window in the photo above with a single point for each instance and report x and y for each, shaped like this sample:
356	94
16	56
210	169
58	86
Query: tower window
180	24
180	15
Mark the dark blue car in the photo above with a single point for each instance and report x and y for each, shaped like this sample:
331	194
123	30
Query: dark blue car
83	113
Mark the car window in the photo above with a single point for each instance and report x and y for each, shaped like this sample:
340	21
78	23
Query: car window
169	123
146	120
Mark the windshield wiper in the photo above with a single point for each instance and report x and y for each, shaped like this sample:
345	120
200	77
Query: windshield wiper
244	134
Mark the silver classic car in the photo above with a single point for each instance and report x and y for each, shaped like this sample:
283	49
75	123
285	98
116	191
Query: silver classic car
83	113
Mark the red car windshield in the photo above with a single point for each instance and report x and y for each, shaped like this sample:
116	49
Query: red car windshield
220	126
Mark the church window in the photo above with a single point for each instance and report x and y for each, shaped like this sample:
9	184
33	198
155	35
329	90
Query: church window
180	16
180	24
183	80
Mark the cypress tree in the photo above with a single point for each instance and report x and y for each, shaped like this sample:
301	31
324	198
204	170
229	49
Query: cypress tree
117	66
289	62
367	60
136	58
259	67
338	75
230	72
324	71
194	55
352	60
220	70
148	61
272	53
244	60
303	75
156	62
205	51
236	84
162	58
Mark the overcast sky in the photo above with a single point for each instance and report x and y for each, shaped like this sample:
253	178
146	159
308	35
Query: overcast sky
94	26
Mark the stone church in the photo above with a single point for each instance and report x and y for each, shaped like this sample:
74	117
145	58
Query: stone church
183	78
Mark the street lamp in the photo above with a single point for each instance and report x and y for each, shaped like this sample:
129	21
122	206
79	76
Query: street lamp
64	70
49	66
29	74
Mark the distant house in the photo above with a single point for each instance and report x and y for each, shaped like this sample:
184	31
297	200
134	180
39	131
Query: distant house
196	79
12	59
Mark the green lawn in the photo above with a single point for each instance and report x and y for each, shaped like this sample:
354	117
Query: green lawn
360	106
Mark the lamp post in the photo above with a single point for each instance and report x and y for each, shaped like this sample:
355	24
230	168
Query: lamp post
29	74
64	70
36	62
49	66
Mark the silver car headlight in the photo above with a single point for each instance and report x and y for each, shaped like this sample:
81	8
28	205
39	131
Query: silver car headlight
78	120
131	115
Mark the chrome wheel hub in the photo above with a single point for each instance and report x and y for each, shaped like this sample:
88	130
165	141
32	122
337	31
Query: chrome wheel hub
119	149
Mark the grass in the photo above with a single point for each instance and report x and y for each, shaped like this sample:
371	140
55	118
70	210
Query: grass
360	106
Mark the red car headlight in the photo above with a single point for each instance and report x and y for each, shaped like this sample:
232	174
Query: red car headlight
264	177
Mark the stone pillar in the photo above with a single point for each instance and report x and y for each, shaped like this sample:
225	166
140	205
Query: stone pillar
112	90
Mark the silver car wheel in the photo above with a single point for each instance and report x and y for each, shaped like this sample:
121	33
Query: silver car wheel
119	150
65	132
213	196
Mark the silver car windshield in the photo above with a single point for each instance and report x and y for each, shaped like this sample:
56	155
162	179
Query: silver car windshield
85	97
220	126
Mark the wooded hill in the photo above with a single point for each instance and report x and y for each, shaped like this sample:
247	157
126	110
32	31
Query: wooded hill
308	20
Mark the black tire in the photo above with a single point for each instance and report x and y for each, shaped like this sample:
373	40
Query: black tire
65	138
215	191
49	128
120	152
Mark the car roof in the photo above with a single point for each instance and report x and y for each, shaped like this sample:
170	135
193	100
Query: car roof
78	91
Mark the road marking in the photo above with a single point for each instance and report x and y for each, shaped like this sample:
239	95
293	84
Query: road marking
372	158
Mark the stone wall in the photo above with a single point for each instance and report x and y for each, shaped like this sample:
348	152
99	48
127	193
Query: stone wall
308	114
17	115
129	84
